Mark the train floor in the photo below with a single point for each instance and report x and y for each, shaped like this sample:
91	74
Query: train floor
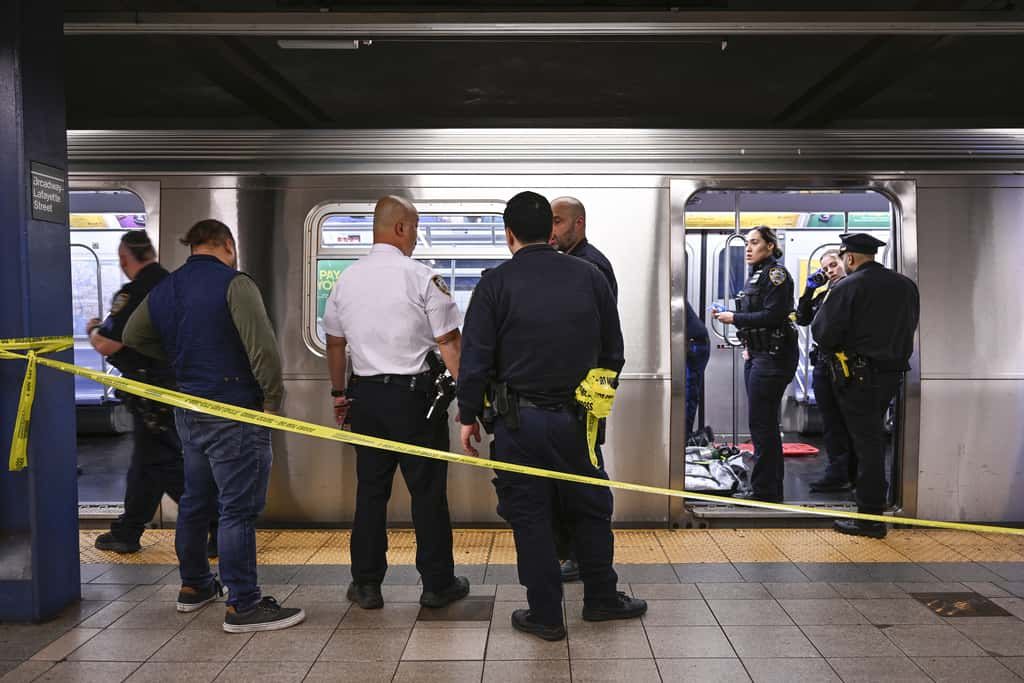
724	605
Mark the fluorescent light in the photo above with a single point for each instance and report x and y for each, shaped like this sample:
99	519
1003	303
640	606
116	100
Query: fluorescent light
321	44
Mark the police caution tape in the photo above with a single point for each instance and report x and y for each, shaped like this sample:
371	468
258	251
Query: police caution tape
36	346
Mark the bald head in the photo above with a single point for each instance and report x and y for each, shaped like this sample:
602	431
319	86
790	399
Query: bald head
568	223
394	222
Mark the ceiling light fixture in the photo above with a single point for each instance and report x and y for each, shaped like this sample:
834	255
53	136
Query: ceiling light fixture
323	44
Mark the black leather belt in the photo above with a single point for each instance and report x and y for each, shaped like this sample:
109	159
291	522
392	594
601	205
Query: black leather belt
421	381
555	408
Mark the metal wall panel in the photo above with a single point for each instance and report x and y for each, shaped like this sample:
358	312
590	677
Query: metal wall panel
972	450
969	266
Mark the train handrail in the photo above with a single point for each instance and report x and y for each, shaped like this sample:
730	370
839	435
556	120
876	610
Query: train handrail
734	342
99	304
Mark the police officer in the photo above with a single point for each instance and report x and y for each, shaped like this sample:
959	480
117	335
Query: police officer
763	324
391	312
865	330
842	468
209	321
698	352
569	236
536	327
157	466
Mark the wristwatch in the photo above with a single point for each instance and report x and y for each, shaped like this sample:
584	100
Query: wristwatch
337	393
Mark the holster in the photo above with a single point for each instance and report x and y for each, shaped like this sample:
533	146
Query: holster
506	404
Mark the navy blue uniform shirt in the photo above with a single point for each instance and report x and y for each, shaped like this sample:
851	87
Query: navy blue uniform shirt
872	312
767	299
588	252
129	361
539	322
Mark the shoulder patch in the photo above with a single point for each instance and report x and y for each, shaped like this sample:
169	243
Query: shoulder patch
441	284
120	301
777	275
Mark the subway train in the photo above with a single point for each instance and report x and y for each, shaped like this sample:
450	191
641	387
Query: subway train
669	208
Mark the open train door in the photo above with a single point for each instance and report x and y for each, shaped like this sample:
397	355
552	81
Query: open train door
709	221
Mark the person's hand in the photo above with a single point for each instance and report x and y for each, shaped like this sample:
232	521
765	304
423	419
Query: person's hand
341	406
746	354
724	317
92	324
468	431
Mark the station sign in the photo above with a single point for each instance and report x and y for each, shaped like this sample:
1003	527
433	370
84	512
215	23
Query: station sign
48	193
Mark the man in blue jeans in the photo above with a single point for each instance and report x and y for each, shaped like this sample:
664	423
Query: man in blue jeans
208	320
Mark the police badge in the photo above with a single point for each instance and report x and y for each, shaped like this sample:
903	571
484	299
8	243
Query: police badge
777	275
441	284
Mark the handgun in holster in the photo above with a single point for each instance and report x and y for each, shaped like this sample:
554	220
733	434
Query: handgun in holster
839	370
506	404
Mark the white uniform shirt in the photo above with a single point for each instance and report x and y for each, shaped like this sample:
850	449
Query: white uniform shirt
390	309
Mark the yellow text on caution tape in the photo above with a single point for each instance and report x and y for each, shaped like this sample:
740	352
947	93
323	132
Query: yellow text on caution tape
287	424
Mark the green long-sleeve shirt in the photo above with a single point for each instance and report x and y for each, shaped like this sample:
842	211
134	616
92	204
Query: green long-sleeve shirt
250	317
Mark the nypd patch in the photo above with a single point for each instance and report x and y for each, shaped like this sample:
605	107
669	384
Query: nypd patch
441	284
120	301
777	275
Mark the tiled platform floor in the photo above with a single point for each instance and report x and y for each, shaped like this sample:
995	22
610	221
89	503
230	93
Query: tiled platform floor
723	621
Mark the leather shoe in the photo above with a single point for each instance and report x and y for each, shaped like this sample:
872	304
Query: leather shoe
109	541
456	590
570	571
754	495
620	607
366	595
521	622
830	486
856	527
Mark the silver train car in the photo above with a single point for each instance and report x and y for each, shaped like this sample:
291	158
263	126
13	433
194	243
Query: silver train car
668	208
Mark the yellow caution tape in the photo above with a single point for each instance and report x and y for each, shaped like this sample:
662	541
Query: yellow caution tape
287	424
596	393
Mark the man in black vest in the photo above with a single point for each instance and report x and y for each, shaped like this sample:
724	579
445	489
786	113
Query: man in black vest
865	331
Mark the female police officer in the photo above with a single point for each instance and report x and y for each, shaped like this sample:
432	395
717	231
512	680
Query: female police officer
842	468
762	318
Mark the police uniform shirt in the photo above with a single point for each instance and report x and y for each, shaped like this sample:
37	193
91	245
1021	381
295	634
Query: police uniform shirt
588	252
540	324
391	310
872	312
769	292
123	305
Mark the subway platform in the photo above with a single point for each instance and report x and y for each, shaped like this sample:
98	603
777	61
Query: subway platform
790	605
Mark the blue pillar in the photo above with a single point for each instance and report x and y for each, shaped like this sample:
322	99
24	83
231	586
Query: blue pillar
39	572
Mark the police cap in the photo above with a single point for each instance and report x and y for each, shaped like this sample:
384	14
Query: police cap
860	243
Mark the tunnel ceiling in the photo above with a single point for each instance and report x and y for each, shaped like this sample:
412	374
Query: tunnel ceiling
125	80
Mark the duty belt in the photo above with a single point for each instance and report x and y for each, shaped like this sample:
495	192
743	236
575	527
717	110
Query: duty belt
420	382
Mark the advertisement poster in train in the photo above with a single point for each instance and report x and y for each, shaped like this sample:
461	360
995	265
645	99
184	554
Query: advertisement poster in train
327	273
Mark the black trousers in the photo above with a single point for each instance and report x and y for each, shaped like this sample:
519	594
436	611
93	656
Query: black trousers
863	405
393	412
157	467
554	440
767	378
842	465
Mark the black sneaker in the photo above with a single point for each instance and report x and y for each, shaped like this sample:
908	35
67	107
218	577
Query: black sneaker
620	607
109	541
366	595
456	590
856	527
521	622
267	615
570	571
190	599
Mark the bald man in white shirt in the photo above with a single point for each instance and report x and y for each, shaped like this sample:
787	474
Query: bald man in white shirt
389	311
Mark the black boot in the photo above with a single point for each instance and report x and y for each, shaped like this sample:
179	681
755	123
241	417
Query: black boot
109	541
827	485
456	590
570	571
366	595
620	607
521	622
856	527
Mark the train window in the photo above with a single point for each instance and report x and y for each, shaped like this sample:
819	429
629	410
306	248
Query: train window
457	240
97	220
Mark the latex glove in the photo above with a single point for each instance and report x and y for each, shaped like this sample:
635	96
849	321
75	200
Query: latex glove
816	279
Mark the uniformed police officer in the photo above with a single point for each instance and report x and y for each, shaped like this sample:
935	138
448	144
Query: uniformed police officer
391	312
865	329
536	327
698	352
157	466
763	324
842	467
569	236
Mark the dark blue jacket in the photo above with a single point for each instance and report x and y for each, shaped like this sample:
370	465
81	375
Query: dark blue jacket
588	252
189	310
539	322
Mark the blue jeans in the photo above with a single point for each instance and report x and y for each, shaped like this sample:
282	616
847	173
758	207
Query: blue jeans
227	464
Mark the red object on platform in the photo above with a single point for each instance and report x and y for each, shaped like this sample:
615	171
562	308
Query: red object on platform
792	449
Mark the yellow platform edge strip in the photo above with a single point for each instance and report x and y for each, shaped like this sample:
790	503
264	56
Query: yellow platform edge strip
287	424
